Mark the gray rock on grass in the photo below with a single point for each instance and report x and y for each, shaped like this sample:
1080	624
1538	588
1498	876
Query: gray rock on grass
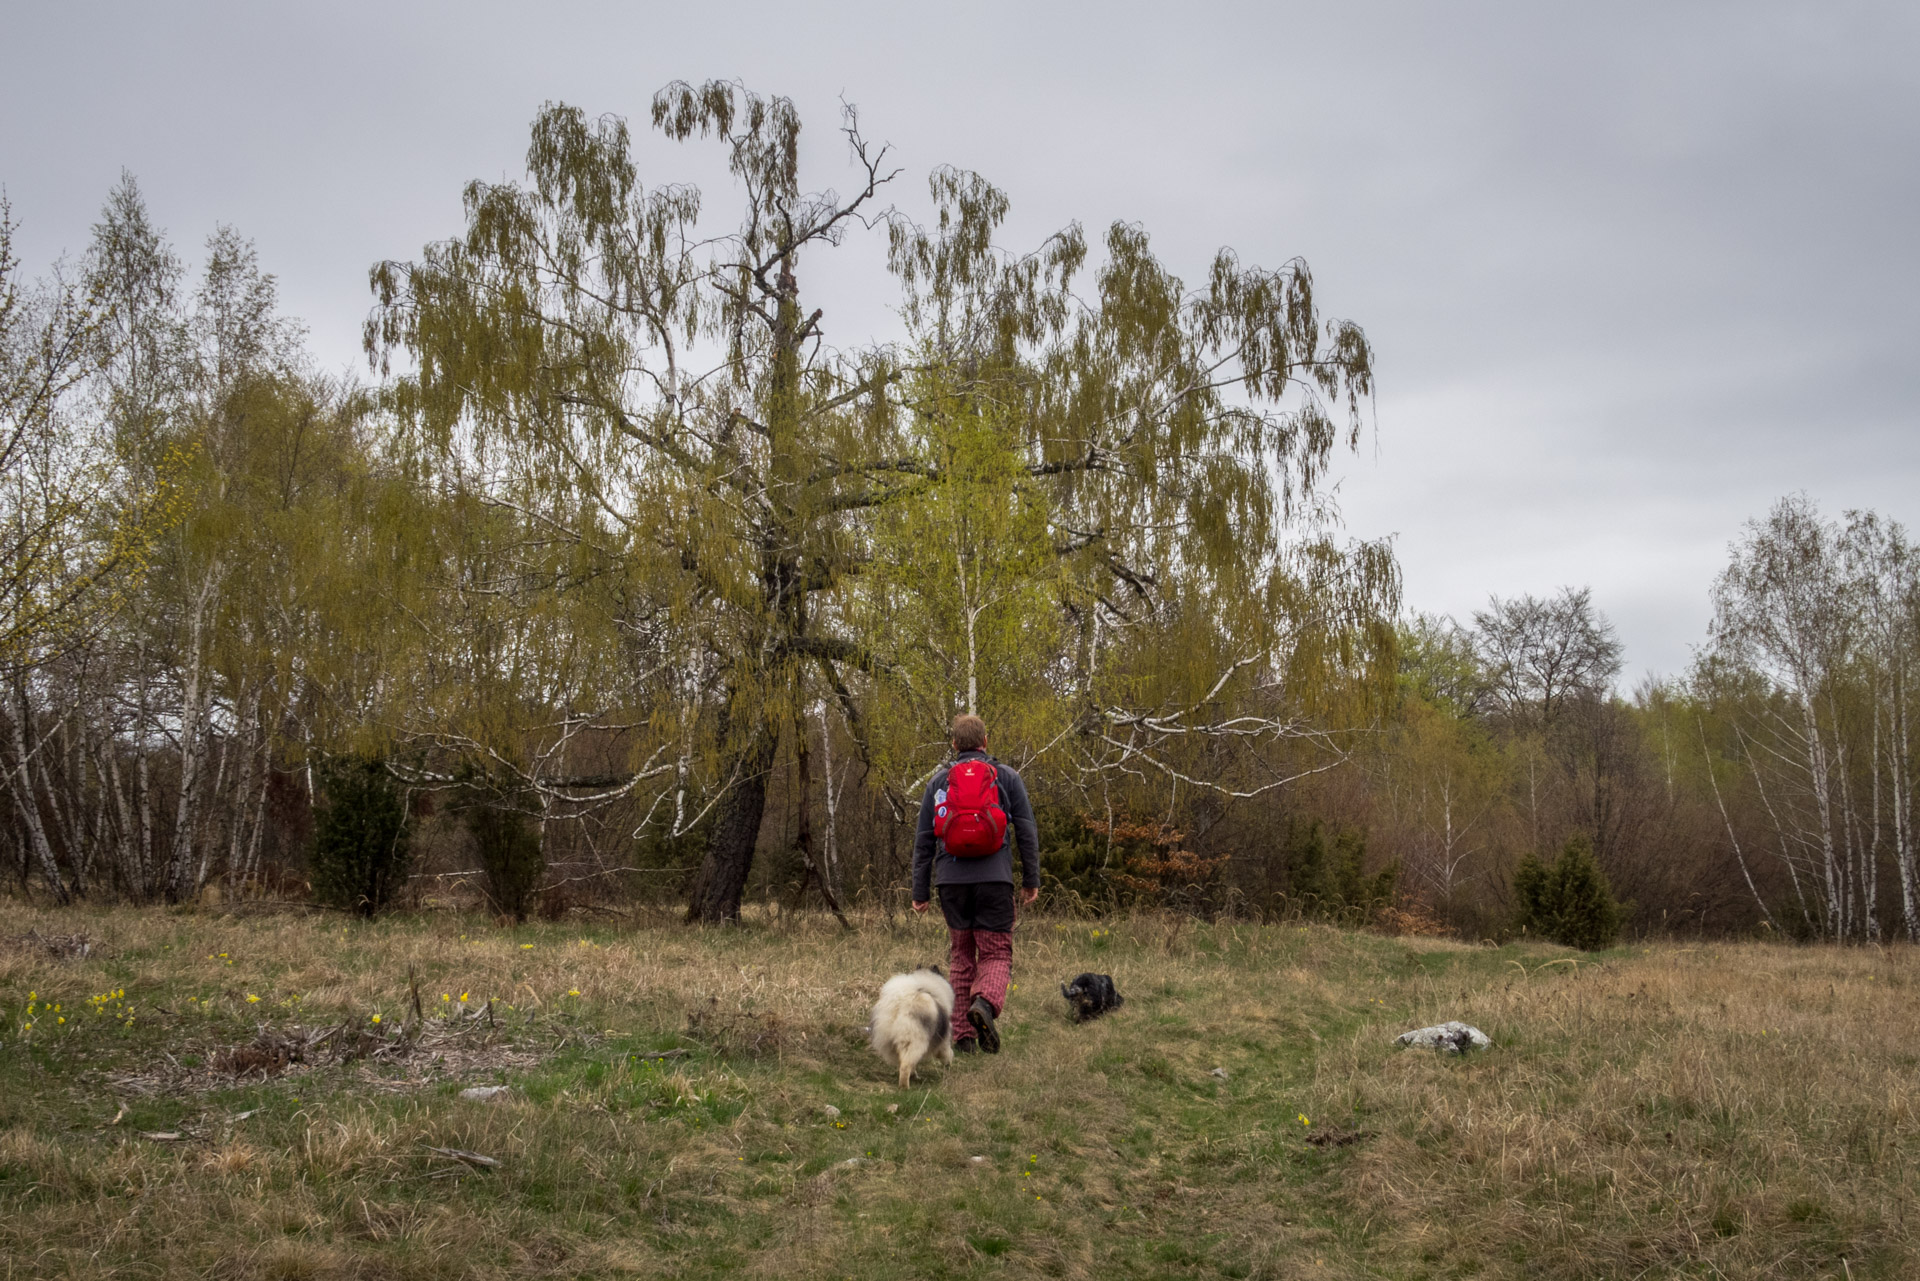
1452	1037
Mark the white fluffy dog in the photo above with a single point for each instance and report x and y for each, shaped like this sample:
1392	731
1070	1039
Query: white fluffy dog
914	1016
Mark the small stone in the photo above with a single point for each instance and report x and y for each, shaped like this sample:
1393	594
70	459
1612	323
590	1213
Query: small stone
486	1093
1221	1073
1452	1037
977	1160
893	1109
830	1110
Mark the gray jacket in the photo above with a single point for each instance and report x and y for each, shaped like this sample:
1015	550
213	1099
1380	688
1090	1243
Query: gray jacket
929	857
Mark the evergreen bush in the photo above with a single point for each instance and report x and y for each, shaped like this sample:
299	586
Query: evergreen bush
508	843
360	837
1567	900
1328	878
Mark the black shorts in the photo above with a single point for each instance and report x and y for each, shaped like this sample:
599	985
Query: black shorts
985	906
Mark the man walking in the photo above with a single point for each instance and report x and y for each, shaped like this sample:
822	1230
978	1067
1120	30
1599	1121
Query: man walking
974	813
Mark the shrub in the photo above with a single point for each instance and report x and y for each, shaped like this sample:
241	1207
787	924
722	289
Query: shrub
1568	900
1125	863
508	843
360	837
1329	879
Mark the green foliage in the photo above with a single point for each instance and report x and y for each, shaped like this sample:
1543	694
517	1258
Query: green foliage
1568	900
360	835
1071	858
963	600
1127	863
1328	878
1072	503
77	530
509	846
1437	664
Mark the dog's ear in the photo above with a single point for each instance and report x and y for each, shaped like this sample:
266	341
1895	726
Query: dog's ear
937	971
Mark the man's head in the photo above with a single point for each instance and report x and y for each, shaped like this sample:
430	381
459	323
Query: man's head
969	733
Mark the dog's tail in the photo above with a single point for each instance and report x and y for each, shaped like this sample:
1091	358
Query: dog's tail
914	1036
909	1046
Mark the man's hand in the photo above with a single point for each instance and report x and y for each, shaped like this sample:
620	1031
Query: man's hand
921	906
1030	896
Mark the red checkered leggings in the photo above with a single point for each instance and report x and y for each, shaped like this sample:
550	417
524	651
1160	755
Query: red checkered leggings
982	965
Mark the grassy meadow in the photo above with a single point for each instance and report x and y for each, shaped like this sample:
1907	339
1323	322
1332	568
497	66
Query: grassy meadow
197	1094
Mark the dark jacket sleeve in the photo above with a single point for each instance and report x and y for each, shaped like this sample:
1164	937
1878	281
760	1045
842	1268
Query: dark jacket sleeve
923	843
1026	832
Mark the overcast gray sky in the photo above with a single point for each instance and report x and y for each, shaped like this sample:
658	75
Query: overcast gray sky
1633	271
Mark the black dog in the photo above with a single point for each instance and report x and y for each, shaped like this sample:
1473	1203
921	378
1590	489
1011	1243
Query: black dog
1091	995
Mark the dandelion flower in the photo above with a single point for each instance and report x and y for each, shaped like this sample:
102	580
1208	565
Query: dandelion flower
252	999
1303	1119
526	947
573	991
463	997
376	1019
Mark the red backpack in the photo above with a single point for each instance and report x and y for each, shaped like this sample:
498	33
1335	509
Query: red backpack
969	820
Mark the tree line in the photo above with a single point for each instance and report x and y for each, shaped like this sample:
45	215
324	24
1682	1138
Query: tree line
627	576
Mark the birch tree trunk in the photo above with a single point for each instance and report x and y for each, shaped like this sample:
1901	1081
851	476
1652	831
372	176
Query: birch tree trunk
25	802
1900	800
195	691
1821	783
242	798
132	865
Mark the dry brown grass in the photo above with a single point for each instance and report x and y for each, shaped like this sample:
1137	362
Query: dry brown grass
1728	1110
1719	1111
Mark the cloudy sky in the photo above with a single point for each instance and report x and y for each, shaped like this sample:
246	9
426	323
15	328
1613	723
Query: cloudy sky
1633	271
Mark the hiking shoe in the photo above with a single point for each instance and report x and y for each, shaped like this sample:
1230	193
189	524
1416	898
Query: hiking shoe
980	1014
967	1045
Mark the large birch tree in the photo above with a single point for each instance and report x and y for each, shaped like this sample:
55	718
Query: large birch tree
628	366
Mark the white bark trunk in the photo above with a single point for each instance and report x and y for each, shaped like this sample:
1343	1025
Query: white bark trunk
21	781
196	690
